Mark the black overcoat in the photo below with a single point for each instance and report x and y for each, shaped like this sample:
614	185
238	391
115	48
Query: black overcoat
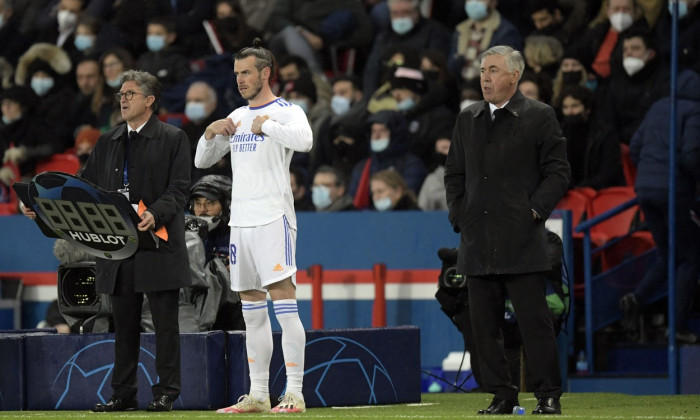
159	174
496	175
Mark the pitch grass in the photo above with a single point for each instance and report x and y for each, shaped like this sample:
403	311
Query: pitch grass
442	406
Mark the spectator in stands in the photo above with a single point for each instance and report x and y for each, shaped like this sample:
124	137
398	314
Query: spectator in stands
329	192
308	28
57	22
93	37
394	57
257	12
421	102
114	62
561	19
232	27
291	67
571	72
645	79
90	104
163	59
603	40
409	29
85	141
390	193
388	133
297	179
342	141
201	109
592	147
543	55
45	68
535	87
649	149
24	137
432	192
688	35
13	43
484	28
433	64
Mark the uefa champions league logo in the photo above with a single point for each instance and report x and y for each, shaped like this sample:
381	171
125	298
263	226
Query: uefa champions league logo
83	367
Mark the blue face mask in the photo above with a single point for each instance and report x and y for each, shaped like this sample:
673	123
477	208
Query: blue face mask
84	42
41	85
383	204
476	10
379	145
115	83
321	196
682	9
195	111
402	25
340	105
406	104
9	121
155	43
302	103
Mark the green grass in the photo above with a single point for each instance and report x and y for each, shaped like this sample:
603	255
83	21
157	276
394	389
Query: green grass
444	406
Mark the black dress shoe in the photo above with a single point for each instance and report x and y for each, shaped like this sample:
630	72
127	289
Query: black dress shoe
160	403
116	404
547	406
499	406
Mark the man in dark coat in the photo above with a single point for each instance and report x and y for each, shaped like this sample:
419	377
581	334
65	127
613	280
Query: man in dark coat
503	178
156	171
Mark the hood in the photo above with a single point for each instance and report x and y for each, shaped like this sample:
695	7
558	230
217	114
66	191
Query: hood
398	126
56	58
689	85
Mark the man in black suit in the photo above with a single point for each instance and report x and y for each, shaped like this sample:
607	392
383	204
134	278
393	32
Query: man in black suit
505	172
155	171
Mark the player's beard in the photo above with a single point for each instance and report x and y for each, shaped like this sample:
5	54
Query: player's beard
253	90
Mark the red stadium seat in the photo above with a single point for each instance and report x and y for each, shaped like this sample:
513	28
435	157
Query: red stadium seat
628	167
59	162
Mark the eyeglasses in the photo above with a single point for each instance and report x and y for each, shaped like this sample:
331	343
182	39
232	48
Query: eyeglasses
208	204
128	95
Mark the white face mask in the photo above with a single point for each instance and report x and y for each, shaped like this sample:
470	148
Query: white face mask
195	111
67	20
340	105
383	204
321	196
379	145
621	21
41	85
632	65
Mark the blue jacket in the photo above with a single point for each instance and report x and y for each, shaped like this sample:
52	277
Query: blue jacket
649	148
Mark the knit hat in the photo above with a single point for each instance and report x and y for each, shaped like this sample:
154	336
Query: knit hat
87	135
20	94
304	85
408	78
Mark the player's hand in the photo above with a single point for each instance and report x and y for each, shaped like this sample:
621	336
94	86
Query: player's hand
147	221
225	127
256	128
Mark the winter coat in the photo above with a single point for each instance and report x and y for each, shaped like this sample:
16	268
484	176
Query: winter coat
496	175
649	148
159	175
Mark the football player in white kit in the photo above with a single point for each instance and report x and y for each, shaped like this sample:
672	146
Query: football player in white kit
261	138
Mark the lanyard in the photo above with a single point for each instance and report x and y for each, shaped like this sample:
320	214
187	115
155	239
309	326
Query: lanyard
126	158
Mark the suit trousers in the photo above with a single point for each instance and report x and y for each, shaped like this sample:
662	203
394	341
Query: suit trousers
527	292
126	310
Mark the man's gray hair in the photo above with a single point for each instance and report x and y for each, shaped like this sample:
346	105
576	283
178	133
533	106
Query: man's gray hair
148	83
514	60
213	98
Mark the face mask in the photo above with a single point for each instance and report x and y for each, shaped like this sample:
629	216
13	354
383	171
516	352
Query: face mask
682	9
41	85
66	20
621	21
9	121
321	197
383	204
83	42
212	221
195	111
340	105
114	83
632	65
155	43
476	10
379	145
571	77
83	157
406	104
302	103
402	25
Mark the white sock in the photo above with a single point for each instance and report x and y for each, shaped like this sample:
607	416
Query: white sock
258	343
293	343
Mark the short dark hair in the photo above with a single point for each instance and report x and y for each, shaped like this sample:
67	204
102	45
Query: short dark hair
356	83
300	62
640	32
341	180
577	92
534	6
263	57
165	21
146	82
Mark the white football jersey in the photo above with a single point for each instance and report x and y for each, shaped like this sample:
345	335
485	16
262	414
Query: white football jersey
261	191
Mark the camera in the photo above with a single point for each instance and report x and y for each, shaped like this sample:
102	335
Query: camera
448	275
